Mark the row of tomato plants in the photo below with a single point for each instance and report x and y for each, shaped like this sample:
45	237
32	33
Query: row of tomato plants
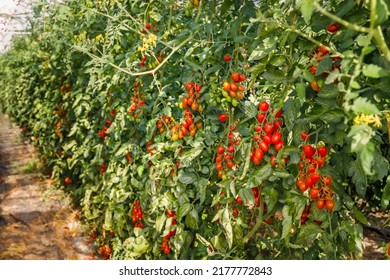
186	131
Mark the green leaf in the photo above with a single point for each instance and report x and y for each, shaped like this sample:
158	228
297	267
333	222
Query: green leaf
183	210
187	177
307	9
374	71
202	189
382	12
301	91
192	219
324	66
260	175
250	109
356	172
363	105
226	223
386	194
308	233
291	109
360	216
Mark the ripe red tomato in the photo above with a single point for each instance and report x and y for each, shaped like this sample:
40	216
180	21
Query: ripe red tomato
329	204
261	117
320	204
314	192
170	213
227	57
267	139
327	181
231	149
258	154
239	200
313	69
305	136
301	185
222	117
332	28
218	166
236	77
322	151
269	128
264	146
315	177
309	151
242	77
230	164
221	150
148	26
323	49
278	114
278	146
218	159
276	137
68	181
233	87
263	106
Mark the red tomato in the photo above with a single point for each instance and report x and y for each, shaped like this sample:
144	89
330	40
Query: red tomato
263	106
332	28
227	57
222	117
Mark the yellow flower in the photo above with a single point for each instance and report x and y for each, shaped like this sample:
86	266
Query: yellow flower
368	119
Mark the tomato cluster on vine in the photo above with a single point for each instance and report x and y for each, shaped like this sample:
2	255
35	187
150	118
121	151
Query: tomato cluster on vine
165	247
267	133
102	133
234	90
192	99
224	158
136	102
310	177
137	215
105	251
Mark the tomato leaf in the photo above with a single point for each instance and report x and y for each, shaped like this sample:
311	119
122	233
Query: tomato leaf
308	233
307	9
356	172
386	194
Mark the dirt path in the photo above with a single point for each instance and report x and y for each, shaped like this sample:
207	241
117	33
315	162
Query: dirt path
36	221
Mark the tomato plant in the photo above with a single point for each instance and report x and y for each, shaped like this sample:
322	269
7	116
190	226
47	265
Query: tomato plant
173	153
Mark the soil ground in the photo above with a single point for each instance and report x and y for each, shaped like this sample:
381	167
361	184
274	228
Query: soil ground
38	222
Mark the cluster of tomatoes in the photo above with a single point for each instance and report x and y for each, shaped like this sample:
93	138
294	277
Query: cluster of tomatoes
105	251
192	99
179	130
309	177
234	90
267	133
318	55
225	154
102	133
137	215
103	168
165	242
136	102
